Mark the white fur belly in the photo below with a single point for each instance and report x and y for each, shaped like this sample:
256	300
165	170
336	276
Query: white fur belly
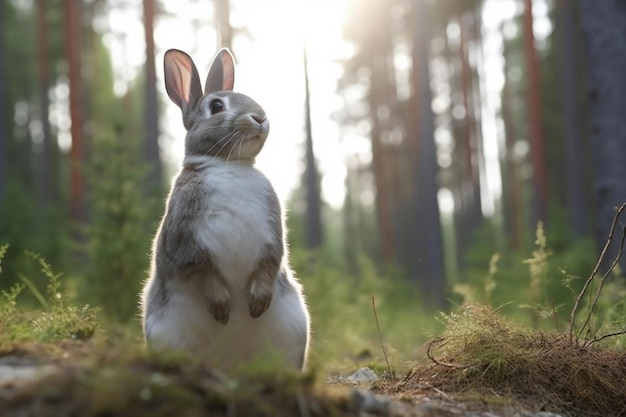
236	227
279	336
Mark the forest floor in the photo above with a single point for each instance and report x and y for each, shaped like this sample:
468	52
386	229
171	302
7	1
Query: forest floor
483	366
68	380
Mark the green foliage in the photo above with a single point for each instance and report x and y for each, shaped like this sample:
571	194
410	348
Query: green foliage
58	318
542	289
31	227
544	283
344	329
120	228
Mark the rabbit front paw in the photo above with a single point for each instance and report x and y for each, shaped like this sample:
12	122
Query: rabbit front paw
218	299
260	295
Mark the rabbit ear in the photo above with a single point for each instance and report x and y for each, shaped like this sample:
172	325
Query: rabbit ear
182	81
222	73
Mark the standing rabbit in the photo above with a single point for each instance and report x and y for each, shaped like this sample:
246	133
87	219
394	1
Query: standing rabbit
220	285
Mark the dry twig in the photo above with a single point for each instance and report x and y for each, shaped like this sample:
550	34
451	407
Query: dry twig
380	337
437	362
591	278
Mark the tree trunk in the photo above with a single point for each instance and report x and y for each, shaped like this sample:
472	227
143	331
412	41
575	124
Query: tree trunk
380	154
4	124
540	200
512	200
313	201
77	158
471	142
428	269
49	162
572	126
151	116
350	225
604	30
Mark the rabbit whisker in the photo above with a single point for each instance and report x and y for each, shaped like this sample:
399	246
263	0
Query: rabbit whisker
228	126
239	139
222	142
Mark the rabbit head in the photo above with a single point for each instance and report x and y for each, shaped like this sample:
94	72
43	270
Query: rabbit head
219	122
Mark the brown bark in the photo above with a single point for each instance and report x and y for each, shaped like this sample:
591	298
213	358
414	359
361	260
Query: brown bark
428	266
151	116
534	118
575	167
49	162
73	56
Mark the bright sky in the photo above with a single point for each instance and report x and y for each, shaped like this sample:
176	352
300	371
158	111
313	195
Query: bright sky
270	70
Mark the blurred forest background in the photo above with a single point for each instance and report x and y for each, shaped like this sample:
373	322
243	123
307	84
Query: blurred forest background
458	164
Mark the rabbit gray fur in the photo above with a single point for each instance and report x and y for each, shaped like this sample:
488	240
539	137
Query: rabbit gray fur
220	285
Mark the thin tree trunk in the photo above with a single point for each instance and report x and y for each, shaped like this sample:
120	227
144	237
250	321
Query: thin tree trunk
380	156
49	162
534	118
572	121
4	126
313	200
604	29
471	166
459	187
73	57
350	224
429	265
151	115
511	190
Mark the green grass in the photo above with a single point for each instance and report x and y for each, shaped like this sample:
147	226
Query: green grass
344	329
57	318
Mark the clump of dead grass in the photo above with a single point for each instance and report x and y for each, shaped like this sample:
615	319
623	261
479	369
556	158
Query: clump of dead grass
483	355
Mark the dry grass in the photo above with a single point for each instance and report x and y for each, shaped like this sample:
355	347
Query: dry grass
482	355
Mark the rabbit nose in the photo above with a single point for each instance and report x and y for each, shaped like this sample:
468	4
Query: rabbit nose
258	119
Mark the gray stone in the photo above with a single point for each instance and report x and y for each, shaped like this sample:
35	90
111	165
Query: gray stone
363	375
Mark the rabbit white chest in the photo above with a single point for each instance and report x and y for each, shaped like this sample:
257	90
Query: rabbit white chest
236	225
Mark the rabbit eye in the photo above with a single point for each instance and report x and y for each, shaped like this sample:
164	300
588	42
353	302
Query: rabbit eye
216	106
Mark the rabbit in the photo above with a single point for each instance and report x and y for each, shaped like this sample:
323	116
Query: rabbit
220	286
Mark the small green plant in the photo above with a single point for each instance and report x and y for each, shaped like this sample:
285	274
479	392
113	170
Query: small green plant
122	225
58	318
480	293
539	301
544	283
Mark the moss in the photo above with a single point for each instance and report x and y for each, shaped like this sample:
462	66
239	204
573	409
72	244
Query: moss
94	380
